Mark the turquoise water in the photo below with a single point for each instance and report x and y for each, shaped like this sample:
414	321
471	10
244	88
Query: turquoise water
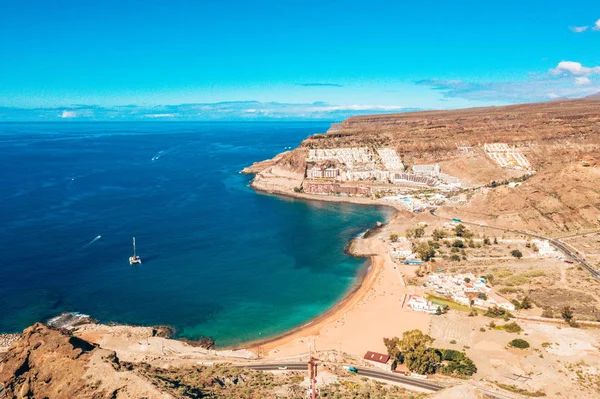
219	259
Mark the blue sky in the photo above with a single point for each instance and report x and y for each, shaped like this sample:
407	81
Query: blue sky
289	59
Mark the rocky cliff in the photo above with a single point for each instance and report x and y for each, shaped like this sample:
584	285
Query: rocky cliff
52	363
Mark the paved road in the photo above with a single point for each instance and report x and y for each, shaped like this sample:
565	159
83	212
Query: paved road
363	372
571	254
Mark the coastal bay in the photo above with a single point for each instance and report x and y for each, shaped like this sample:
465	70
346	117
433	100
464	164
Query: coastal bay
217	261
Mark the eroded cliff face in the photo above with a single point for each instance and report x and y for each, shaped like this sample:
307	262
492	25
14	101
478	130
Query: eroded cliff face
561	139
51	363
282	174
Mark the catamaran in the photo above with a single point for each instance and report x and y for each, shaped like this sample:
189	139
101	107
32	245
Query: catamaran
135	259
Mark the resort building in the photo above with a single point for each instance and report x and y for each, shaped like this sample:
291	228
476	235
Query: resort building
466	289
427	170
314	173
364	175
412	179
505	156
332	173
330	188
420	304
390	159
318	173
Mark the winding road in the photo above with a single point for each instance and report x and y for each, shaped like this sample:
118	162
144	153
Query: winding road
558	244
363	372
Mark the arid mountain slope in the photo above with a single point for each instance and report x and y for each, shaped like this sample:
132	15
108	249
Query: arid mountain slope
48	363
561	140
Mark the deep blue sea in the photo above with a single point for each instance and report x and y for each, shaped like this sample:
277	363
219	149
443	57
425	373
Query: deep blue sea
219	259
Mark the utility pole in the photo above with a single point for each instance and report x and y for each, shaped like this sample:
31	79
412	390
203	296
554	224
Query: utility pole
312	374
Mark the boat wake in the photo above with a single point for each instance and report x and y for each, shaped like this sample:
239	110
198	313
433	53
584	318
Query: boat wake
162	153
93	241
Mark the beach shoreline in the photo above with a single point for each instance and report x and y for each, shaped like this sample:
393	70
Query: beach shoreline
366	277
367	291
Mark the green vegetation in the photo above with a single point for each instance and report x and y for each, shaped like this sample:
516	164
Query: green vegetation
458	244
520	179
417	232
483	296
393	237
438	234
449	303
461	231
520	391
365	389
567	314
516	253
525	303
547	313
424	250
519	343
511	280
498	312
508	327
414	350
457	363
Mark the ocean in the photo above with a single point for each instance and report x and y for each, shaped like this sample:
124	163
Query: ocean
219	259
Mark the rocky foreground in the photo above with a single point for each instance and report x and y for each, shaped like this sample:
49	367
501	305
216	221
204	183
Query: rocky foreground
53	363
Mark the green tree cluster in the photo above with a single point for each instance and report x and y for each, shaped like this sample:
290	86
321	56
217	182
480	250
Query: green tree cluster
414	350
438	234
417	232
519	343
497	312
525	303
424	251
516	253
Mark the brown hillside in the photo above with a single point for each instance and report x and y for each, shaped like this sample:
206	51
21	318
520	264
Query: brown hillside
49	363
561	139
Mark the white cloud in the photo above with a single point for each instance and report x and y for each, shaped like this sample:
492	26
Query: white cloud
160	115
597	25
578	29
357	107
582	81
541	88
68	114
574	68
225	111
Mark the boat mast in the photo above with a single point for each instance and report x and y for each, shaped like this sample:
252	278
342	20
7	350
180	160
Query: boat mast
134	247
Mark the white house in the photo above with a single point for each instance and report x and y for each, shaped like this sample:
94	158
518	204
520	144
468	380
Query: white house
420	304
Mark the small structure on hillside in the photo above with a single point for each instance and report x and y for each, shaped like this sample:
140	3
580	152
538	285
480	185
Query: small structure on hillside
379	360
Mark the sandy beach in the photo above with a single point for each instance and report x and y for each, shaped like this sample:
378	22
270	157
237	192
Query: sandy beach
367	314
359	322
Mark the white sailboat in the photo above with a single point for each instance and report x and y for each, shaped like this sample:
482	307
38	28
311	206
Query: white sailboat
135	259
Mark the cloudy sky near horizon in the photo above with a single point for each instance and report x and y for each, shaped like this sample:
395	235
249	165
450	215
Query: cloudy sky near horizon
267	59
